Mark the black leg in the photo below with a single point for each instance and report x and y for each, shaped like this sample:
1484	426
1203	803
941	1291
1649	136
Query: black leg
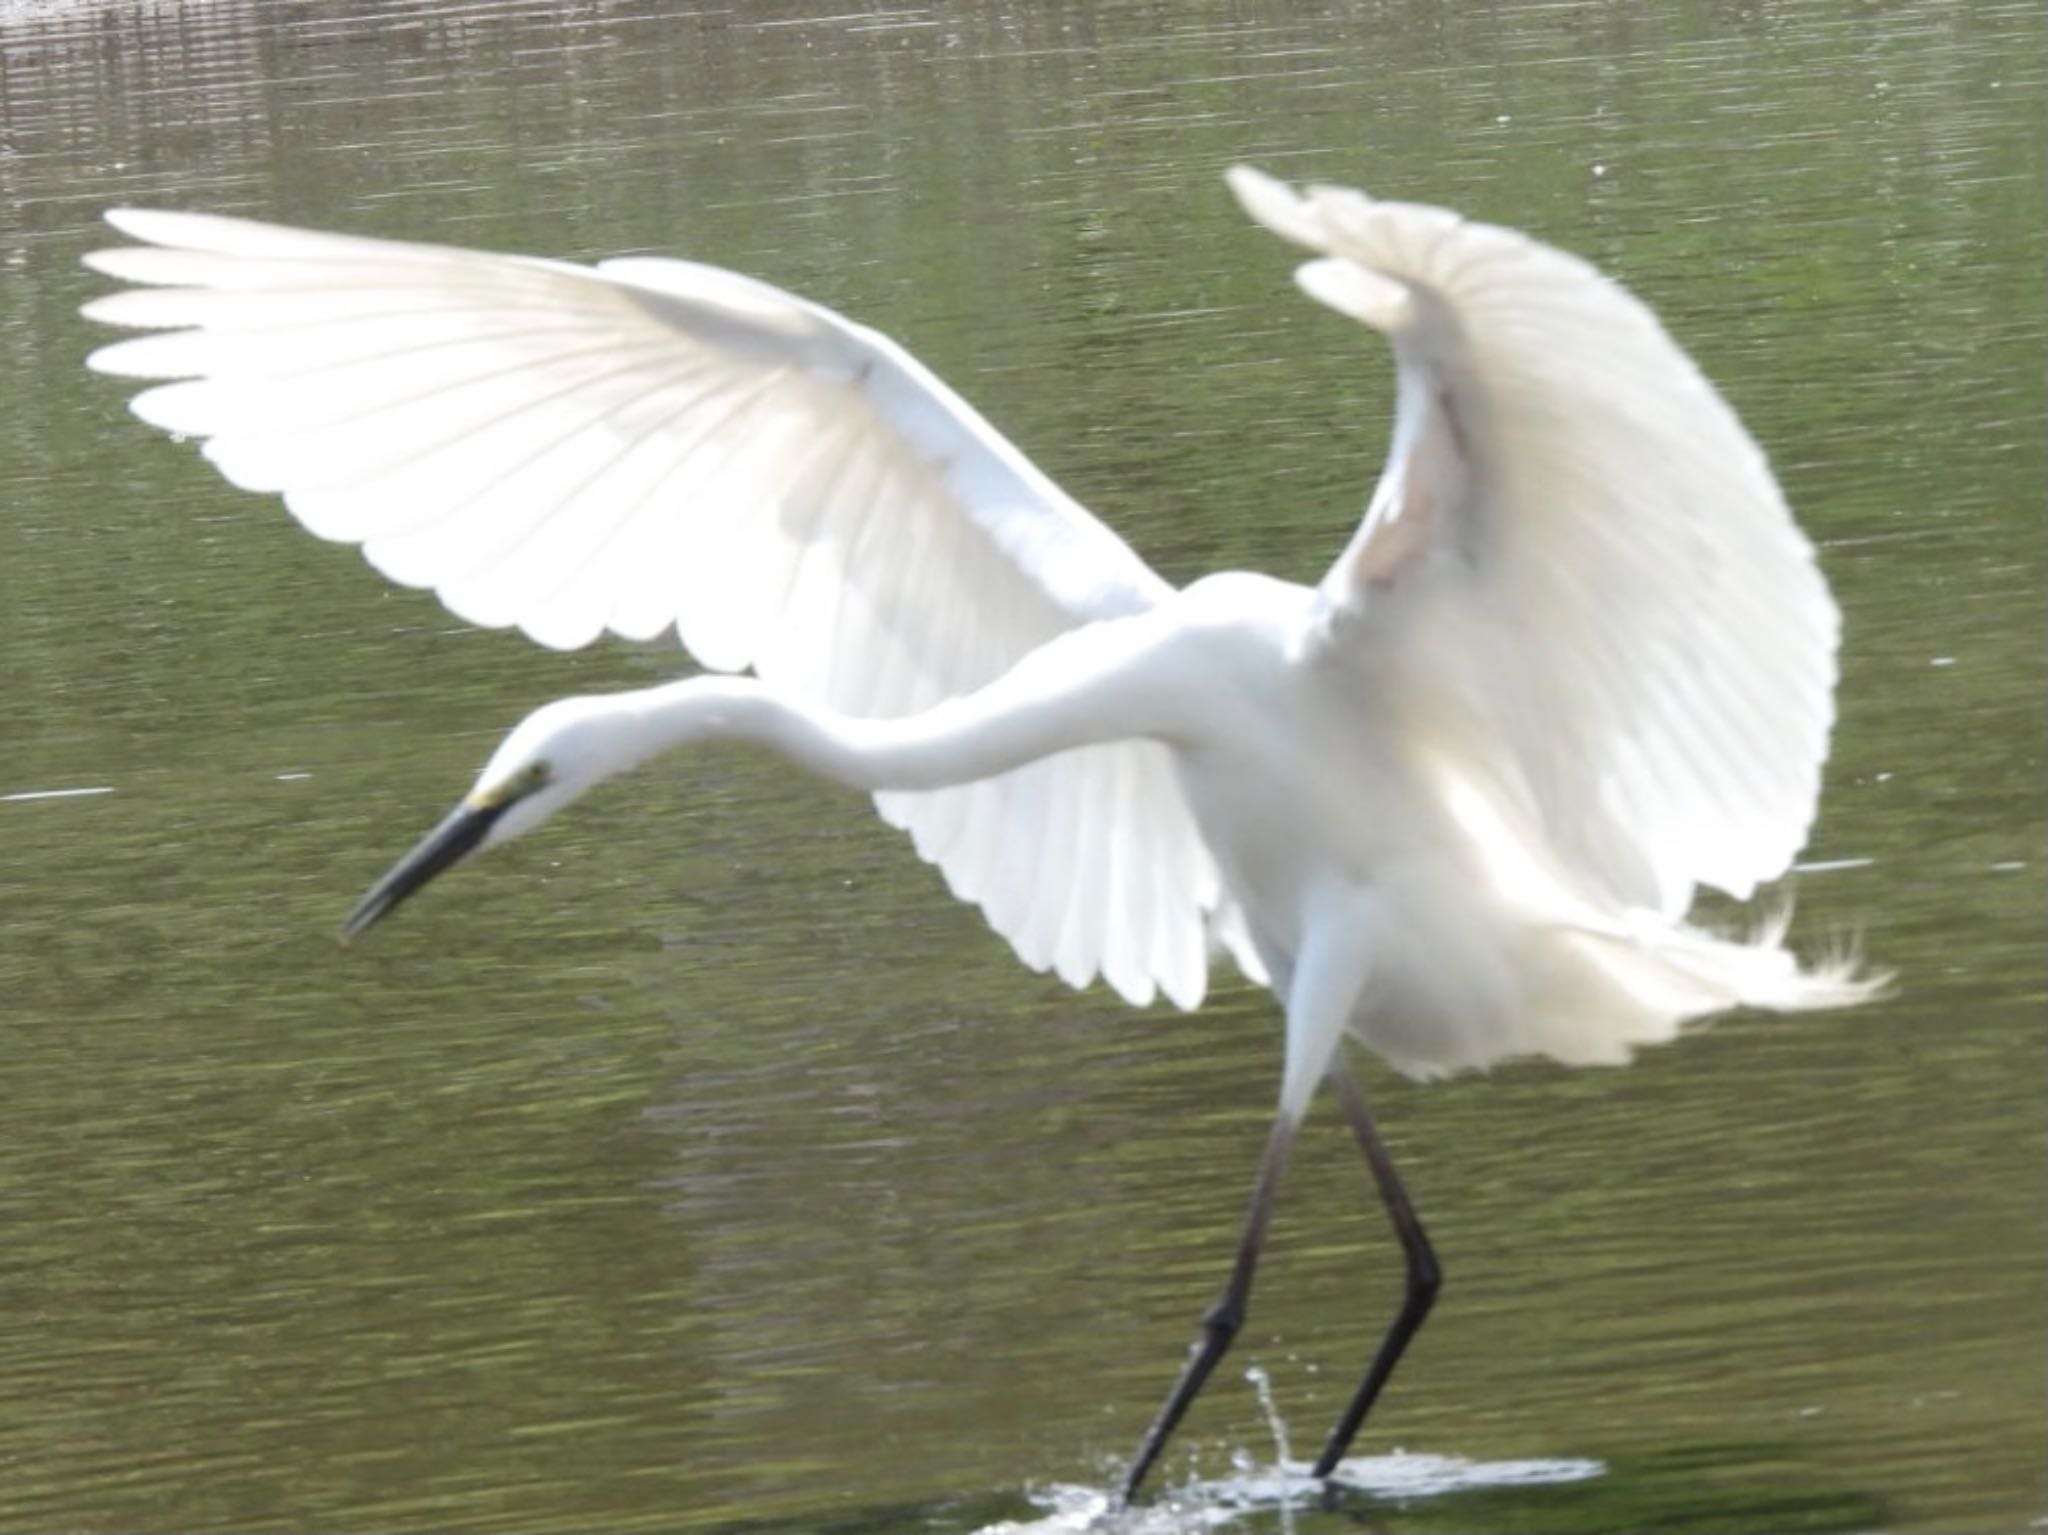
1221	1322
1424	1276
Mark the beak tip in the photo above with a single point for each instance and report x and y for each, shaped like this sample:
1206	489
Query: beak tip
363	918
447	844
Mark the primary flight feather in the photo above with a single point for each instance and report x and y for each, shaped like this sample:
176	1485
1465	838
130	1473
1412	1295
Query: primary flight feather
1453	802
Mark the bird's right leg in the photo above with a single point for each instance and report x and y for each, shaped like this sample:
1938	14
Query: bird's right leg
1424	1273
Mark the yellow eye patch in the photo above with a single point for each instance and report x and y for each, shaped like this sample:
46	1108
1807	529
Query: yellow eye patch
508	791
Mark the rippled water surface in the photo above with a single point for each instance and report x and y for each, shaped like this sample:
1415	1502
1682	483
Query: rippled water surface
698	1163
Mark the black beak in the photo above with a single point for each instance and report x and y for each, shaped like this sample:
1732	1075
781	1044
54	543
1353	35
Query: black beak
442	848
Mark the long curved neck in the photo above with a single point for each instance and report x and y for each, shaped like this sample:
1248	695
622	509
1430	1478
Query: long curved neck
1101	684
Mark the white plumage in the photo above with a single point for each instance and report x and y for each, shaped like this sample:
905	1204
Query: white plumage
1576	662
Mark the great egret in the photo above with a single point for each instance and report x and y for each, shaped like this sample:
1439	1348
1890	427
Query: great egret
1453	802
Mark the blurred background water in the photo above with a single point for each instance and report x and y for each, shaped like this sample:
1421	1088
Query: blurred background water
699	1164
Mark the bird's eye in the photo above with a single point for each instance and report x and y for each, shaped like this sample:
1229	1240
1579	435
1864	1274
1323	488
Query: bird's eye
536	776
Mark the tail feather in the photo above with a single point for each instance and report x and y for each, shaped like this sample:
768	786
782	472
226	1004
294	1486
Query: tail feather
1645	983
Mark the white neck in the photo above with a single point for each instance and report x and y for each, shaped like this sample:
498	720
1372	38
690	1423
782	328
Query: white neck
1093	685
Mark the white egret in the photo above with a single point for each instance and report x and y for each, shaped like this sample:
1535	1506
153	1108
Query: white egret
1452	803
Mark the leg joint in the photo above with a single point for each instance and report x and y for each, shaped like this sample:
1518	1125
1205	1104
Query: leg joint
1225	1318
1425	1278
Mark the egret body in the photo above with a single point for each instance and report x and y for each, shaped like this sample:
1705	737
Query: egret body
1453	802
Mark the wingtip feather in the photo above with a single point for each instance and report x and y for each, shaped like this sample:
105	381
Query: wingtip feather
1273	204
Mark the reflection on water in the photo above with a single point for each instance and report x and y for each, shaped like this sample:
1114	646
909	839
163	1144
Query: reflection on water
699	1164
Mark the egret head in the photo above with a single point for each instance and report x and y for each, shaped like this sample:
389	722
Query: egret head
555	753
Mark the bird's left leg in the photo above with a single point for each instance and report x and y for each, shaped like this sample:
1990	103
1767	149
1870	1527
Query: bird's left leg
1425	1275
1220	1323
1327	974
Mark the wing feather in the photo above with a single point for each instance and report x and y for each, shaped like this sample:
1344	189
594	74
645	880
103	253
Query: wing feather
1577	564
651	444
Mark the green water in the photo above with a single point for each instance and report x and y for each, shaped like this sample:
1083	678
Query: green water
698	1164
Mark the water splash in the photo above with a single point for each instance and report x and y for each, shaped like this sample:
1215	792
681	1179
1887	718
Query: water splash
1262	1383
1282	1489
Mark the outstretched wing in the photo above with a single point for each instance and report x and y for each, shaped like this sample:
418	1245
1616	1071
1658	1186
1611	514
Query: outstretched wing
1577	565
650	443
